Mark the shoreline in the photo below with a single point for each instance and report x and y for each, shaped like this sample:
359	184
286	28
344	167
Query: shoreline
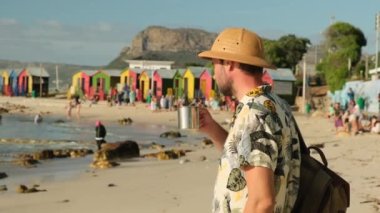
170	186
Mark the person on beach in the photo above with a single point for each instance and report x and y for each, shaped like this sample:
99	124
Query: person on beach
259	168
100	134
38	118
351	94
74	103
132	97
378	100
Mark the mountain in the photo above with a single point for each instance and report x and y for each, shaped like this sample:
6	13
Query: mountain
65	71
160	43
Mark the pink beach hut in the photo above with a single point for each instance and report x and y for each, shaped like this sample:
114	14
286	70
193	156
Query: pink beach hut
23	83
86	80
82	82
162	81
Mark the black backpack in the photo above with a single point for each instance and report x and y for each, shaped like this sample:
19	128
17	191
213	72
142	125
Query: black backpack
321	189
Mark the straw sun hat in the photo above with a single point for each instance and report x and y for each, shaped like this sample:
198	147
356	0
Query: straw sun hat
240	45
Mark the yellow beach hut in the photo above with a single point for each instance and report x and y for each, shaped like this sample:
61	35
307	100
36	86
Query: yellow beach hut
189	84
129	77
77	81
4	81
144	82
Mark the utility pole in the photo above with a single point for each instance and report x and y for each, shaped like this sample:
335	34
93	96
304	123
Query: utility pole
332	20
40	80
366	67
304	85
349	67
57	78
377	39
316	55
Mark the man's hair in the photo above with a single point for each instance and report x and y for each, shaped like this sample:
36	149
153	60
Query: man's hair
251	69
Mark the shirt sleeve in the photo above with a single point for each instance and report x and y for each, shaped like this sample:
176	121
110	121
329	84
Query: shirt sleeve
258	146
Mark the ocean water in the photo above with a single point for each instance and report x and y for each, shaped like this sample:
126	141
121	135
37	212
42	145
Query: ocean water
19	134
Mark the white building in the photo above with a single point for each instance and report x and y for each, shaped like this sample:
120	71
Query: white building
153	65
375	73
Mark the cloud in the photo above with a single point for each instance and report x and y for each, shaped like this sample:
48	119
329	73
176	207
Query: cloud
52	41
7	22
51	24
102	27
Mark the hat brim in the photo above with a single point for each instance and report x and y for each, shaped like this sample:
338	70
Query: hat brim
209	54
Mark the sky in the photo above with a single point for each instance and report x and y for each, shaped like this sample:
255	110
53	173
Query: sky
93	32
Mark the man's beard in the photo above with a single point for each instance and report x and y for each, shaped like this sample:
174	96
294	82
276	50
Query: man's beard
226	89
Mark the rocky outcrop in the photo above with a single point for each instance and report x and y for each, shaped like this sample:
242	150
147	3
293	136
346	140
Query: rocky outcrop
9	107
125	121
157	38
167	154
119	150
160	43
3	175
111	152
207	142
25	189
3	188
31	160
26	161
170	134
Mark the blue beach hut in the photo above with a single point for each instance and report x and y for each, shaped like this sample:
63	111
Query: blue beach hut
13	81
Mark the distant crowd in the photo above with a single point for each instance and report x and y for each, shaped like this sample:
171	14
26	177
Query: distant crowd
168	102
352	118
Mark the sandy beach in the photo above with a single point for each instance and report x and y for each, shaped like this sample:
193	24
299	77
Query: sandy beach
153	186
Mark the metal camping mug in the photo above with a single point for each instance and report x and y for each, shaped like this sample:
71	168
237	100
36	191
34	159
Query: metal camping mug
188	117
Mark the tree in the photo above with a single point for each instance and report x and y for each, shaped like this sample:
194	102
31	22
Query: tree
287	51
343	43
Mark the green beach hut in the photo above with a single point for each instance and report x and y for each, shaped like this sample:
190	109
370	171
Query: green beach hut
104	80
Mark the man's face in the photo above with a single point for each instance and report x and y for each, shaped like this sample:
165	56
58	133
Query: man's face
221	78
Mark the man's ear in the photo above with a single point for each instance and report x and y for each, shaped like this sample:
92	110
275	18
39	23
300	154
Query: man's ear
231	65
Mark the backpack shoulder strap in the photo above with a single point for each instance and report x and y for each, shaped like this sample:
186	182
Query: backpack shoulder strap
303	147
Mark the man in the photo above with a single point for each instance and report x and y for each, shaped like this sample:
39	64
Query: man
100	134
260	162
38	118
351	94
378	100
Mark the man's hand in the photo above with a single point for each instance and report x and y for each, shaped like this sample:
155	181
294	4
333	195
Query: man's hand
209	126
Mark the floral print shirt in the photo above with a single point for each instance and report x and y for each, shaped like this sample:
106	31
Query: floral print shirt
262	134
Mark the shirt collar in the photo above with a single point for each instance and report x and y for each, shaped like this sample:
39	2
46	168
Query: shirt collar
256	92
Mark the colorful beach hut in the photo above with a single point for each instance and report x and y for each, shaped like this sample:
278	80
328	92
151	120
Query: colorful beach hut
178	89
24	83
4	80
162	81
76	82
189	84
104	80
129	77
144	84
282	81
13	82
203	81
82	82
33	81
